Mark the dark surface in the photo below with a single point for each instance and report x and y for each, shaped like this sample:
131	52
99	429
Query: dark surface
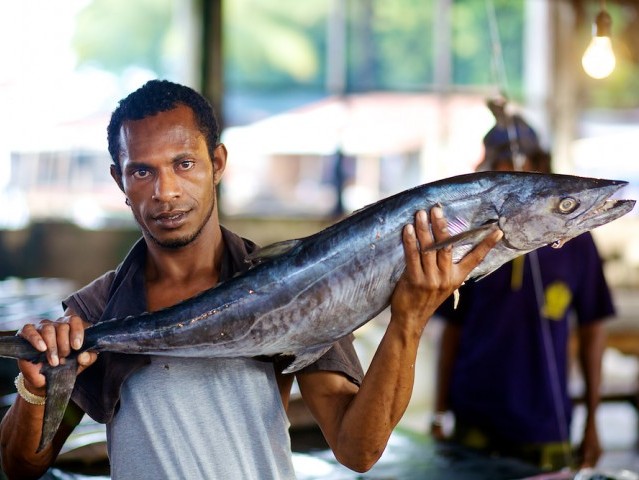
411	456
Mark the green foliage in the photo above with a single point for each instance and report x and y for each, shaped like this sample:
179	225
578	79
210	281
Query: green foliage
116	34
282	44
476	54
271	43
400	46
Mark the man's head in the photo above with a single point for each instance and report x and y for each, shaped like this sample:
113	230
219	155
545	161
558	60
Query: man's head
158	96
167	161
537	160
497	105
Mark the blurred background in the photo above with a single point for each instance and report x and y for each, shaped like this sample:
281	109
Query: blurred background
327	105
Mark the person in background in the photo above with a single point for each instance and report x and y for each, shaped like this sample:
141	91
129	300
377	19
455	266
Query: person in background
503	359
219	418
511	138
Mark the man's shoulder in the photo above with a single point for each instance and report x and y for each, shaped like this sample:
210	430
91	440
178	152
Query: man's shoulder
89	302
234	241
585	239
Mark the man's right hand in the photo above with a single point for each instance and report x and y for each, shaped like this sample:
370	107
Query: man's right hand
58	339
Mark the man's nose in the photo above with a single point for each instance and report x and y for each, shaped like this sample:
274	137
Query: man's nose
167	187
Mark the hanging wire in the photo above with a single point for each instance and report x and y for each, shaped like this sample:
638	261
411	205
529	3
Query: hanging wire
551	358
518	161
499	69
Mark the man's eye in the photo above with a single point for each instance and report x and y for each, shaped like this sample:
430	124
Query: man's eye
141	173
186	164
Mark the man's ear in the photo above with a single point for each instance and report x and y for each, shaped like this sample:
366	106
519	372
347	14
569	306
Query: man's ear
219	162
117	177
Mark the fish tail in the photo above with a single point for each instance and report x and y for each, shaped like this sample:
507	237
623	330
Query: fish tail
12	346
60	382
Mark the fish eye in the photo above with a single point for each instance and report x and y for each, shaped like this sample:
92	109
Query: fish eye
568	205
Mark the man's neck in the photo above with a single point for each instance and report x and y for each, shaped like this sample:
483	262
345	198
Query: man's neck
172	275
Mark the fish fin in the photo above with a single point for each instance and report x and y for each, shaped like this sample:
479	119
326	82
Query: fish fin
467	238
272	251
460	251
12	346
306	358
60	382
457	225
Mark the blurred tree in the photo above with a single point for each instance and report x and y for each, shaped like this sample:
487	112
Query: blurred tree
116	34
474	52
408	38
275	43
279	45
389	44
398	52
399	46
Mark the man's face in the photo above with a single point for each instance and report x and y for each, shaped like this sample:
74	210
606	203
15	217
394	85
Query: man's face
507	165
168	176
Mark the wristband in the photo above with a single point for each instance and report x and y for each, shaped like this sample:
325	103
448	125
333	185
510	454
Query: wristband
29	397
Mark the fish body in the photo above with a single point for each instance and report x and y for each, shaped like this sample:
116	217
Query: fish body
305	294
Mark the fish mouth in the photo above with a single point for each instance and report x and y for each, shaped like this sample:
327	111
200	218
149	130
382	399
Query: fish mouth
604	209
607	211
611	207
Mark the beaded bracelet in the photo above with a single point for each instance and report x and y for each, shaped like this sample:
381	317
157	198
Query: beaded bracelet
31	398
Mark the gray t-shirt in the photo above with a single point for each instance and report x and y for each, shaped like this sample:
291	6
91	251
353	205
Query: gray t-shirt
201	419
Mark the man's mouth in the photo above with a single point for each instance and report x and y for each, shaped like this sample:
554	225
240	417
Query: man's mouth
172	219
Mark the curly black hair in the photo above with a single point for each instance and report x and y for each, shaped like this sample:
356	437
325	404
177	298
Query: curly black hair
157	96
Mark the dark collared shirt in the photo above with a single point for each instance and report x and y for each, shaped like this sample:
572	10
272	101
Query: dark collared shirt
119	293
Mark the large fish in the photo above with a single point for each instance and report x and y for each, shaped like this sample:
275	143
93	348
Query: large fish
305	294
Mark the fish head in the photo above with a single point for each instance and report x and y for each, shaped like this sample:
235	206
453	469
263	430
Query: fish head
541	209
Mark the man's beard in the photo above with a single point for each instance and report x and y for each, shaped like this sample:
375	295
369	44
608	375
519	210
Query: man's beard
176	243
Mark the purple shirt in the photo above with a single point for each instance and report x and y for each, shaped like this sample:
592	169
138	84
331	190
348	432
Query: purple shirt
502	380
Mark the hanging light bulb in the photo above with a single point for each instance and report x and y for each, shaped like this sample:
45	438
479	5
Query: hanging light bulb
599	59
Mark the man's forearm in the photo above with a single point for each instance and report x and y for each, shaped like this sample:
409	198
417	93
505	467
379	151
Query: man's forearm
445	359
383	396
20	432
592	341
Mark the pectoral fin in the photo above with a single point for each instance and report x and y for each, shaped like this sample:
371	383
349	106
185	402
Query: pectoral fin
60	382
466	240
306	358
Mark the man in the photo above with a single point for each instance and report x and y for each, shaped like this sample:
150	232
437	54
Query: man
212	418
510	131
503	357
